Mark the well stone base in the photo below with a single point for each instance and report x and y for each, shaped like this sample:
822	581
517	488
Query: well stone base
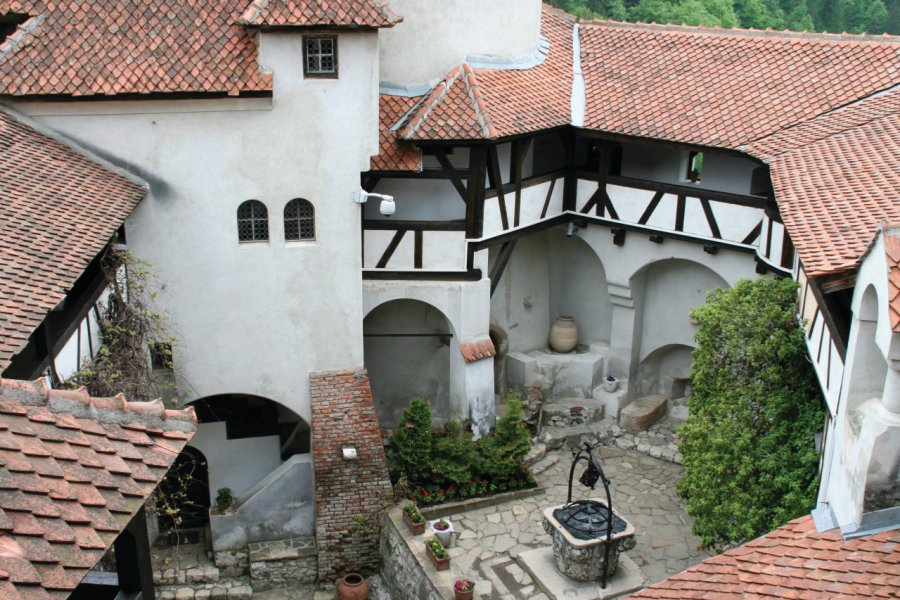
541	566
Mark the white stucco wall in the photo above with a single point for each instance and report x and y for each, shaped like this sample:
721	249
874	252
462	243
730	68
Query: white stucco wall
436	35
251	318
238	464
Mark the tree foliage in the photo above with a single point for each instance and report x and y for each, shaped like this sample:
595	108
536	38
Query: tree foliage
502	452
748	444
129	327
454	454
412	442
851	16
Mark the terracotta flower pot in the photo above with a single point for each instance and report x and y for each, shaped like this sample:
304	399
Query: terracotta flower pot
440	564
464	595
416	528
352	586
564	334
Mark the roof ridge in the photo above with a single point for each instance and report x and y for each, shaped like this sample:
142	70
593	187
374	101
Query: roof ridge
80	404
481	110
428	103
741	32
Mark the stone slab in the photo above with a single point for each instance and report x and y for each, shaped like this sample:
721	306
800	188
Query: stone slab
643	412
540	565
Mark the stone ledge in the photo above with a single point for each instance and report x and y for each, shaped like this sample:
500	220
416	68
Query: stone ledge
282	549
448	508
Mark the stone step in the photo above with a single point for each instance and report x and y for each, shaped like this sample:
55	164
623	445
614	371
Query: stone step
537	452
566	412
545	464
556	437
237	588
643	412
185	564
282	563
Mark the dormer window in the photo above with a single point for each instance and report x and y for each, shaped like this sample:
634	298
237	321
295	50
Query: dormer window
9	23
320	56
694	170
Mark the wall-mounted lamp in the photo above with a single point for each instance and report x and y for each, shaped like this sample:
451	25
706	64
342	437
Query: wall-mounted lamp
571	229
387	207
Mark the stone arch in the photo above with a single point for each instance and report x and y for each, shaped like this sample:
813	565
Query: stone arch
410	350
869	367
664	293
578	287
665	371
245	437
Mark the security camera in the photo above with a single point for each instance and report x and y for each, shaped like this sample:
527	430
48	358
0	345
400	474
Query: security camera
387	207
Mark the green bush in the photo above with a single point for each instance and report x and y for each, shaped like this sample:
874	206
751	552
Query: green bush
412	443
748	444
501	454
453	455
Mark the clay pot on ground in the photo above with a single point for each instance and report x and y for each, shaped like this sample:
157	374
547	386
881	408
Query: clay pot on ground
564	334
352	586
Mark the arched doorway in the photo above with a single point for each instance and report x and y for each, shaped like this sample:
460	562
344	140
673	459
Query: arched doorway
183	499
407	347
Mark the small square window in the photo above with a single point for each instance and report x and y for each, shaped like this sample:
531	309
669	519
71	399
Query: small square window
320	56
161	355
694	170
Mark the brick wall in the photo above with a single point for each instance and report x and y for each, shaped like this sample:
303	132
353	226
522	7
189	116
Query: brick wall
343	415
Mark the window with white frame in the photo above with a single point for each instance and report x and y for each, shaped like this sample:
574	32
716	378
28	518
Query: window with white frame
320	56
253	222
299	220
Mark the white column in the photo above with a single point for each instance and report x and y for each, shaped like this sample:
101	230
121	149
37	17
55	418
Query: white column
621	339
891	397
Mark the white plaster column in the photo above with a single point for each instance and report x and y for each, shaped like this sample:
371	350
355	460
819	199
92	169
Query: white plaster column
479	386
891	397
622	333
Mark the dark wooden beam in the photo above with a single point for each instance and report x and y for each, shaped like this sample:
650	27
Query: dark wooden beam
423	174
417	248
837	282
679	213
519	150
475	192
133	558
676	189
497	182
710	218
632	139
500	263
421	275
608	206
370	181
570	189
754	234
392	247
547	199
527	182
648	212
593	201
391	225
457	182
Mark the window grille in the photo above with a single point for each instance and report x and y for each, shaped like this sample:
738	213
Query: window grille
299	220
253	222
320	56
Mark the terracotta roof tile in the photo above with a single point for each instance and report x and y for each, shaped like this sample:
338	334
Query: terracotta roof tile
324	13
53	530
827	566
59	210
723	88
892	250
477	349
483	103
393	153
105	48
835	179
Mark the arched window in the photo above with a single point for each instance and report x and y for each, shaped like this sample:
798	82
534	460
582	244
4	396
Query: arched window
299	220
253	222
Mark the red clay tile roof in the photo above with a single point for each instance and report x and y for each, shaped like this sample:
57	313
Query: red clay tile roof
59	209
892	250
395	154
794	561
329	13
836	179
105	47
481	103
723	88
478	349
74	470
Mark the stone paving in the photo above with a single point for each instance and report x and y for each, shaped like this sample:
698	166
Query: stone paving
643	491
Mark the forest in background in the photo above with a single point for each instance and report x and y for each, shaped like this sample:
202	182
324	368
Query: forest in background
835	16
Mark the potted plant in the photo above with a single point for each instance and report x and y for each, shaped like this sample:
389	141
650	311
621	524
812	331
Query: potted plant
224	499
438	555
413	518
464	589
610	383
442	530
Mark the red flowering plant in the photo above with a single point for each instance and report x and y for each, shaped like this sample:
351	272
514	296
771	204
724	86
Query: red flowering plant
464	585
